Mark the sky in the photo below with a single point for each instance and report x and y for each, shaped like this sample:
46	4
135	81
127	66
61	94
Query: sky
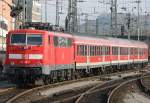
93	8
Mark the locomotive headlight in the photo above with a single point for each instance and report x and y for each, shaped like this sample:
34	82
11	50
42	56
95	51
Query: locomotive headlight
27	62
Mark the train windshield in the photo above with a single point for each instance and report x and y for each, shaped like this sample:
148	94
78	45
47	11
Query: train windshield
23	39
18	39
34	39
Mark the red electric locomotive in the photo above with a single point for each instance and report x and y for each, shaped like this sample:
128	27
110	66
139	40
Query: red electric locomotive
34	55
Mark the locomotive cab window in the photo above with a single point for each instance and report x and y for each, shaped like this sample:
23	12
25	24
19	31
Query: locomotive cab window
23	39
34	39
18	39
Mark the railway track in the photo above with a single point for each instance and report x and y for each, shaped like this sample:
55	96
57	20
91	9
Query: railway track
129	89
68	95
145	83
6	94
100	93
39	92
26	96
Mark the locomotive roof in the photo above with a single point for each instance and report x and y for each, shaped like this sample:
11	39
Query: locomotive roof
21	31
26	31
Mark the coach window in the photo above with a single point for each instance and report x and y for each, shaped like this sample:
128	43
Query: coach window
33	39
139	50
131	51
18	39
121	51
106	50
85	50
98	50
143	51
126	51
82	49
136	51
115	50
78	49
92	50
101	51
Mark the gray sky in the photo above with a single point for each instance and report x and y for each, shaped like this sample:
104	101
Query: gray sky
94	8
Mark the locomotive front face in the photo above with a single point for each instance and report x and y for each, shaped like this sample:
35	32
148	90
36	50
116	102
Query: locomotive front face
24	50
24	54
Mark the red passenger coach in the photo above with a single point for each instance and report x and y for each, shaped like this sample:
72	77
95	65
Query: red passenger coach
34	55
102	52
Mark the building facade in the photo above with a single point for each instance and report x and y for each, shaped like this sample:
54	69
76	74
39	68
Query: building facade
6	22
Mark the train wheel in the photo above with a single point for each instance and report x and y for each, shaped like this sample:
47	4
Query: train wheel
59	76
46	80
78	74
73	74
66	74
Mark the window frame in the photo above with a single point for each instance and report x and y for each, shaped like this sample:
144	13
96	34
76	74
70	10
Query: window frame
26	41
34	34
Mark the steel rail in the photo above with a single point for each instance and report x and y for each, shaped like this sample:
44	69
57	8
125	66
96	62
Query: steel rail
125	83
63	83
